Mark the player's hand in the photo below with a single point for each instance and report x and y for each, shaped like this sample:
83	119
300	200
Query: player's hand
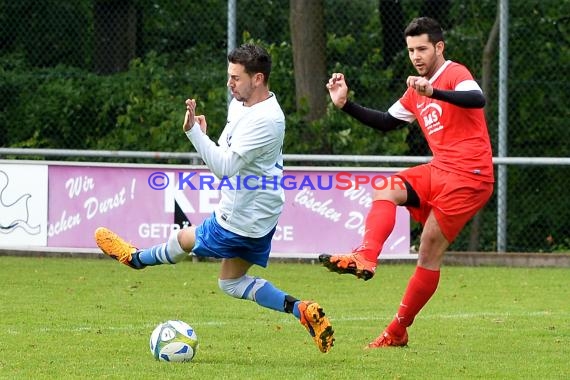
190	116
421	85
201	120
338	90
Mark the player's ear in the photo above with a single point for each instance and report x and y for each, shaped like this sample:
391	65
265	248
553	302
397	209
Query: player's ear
439	47
259	77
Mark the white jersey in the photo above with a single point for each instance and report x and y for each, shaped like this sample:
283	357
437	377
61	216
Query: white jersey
251	198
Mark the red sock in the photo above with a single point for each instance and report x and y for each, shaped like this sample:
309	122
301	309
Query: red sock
421	287
379	225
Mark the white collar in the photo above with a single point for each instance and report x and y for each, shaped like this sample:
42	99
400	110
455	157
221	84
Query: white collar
440	70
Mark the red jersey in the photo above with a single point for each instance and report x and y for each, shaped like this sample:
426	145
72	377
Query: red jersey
457	137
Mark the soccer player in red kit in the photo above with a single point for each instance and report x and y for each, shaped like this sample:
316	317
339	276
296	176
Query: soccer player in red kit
442	195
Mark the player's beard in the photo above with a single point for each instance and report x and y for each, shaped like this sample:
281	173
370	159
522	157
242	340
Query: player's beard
422	70
428	68
244	95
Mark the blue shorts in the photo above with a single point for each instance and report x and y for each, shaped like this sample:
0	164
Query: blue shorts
212	240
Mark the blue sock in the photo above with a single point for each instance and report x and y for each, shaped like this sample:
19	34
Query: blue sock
268	296
155	255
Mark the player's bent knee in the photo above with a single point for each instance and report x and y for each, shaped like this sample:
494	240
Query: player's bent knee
244	287
175	251
235	287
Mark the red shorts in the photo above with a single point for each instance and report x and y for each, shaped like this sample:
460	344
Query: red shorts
453	198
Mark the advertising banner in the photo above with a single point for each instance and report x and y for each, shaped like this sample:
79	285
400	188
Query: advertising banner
324	209
23	204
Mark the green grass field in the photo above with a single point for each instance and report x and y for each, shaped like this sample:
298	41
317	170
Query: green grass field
66	318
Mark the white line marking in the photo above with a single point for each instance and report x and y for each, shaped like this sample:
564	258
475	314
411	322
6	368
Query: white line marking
290	320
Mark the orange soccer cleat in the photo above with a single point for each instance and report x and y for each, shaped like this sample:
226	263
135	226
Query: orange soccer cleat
114	246
319	326
353	264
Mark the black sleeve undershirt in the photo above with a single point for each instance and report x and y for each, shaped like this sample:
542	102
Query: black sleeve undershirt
385	122
378	120
464	99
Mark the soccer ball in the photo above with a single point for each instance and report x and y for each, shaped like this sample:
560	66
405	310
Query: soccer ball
173	341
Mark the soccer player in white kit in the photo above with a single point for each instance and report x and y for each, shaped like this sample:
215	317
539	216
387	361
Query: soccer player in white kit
248	157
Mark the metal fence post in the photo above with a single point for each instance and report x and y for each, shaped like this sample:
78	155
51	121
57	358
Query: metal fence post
232	20
503	125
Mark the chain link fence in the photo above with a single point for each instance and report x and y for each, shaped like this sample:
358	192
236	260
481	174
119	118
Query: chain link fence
113	74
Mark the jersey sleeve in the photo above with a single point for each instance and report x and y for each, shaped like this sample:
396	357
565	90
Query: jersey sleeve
403	108
219	161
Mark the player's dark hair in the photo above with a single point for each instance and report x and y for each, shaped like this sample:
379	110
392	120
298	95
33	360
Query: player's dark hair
254	59
425	25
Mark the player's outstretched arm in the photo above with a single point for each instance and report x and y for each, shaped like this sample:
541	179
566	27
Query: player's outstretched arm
379	120
221	162
338	91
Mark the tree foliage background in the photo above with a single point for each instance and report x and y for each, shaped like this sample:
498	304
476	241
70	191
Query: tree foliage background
113	74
